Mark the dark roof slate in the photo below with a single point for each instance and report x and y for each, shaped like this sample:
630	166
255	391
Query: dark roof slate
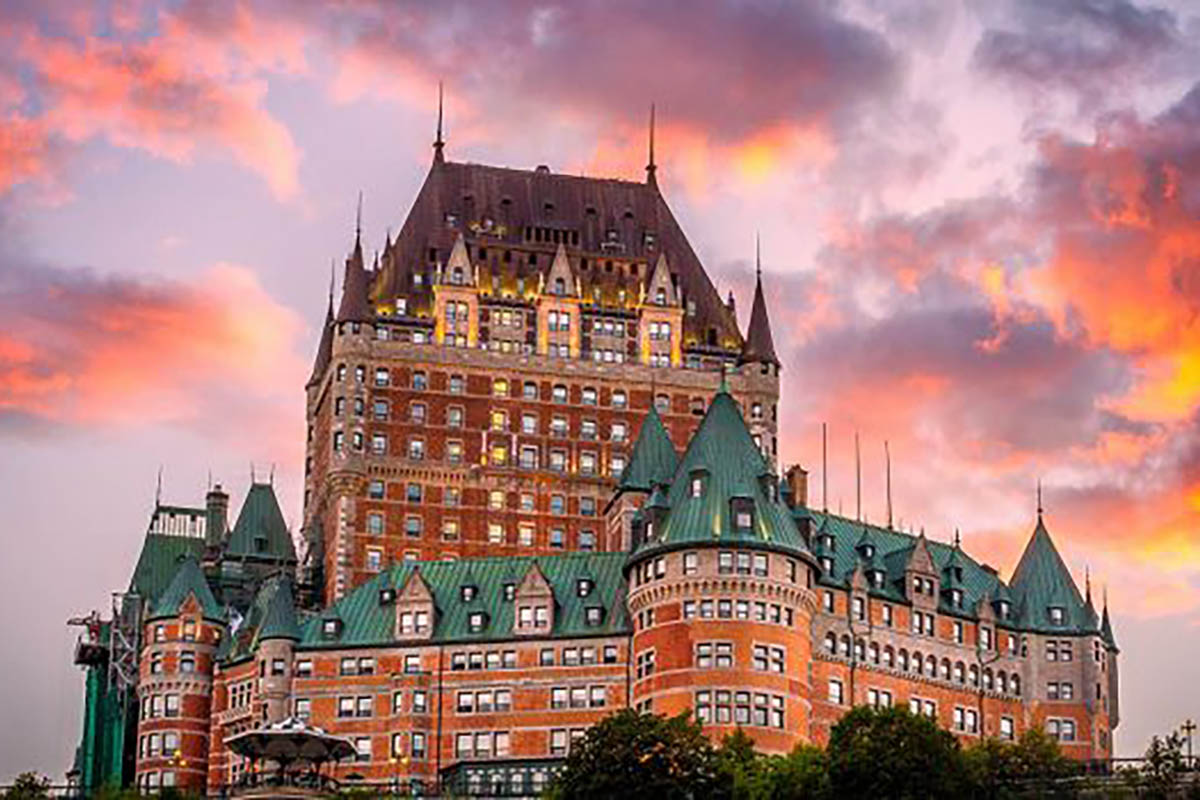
760	344
653	460
260	531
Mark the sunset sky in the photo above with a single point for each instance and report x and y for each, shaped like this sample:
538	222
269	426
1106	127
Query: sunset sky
980	229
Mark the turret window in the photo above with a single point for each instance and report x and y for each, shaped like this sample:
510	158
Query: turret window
1057	615
584	586
743	514
691	563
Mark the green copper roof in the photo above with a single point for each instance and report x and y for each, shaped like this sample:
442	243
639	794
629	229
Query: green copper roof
260	531
723	455
279	621
653	460
896	548
1042	581
159	561
368	622
1106	630
189	581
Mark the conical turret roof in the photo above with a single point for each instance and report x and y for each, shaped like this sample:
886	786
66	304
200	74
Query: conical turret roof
355	305
1042	581
324	347
759	346
654	458
260	529
1106	630
735	477
189	581
279	621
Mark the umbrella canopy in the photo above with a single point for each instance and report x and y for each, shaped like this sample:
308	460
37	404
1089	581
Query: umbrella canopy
290	740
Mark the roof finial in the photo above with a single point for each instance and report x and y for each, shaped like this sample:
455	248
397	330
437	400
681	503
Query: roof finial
651	167
158	488
358	220
857	480
757	256
957	538
824	469
438	143
332	270
1039	499
887	462
1087	583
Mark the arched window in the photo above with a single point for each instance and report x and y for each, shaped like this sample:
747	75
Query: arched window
960	674
916	664
456	276
974	675
660	297
1015	683
889	657
989	680
874	652
1002	681
931	666
560	287
945	669
831	642
860	649
845	645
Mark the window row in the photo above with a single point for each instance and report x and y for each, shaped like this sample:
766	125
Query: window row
496	499
890	658
153	745
725	707
160	705
499	387
757	610
483	701
578	697
186	662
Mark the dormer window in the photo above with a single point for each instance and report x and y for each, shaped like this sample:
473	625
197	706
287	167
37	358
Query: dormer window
477	621
827	541
868	551
827	565
560	287
660	297
584	586
387	597
331	628
468	592
956	597
697	483
876	577
1057	615
594	615
743	514
510	591
1003	607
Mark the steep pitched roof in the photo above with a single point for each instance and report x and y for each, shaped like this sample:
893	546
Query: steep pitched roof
1106	630
1042	581
159	561
324	347
260	531
653	460
605	218
356	304
733	468
189	581
367	622
279	620
760	345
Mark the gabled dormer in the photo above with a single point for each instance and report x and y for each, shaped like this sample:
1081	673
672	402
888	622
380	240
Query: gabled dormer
534	604
558	309
661	323
416	608
871	562
561	280
660	291
921	579
953	583
456	299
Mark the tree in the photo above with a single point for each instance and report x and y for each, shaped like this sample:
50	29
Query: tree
803	774
28	786
1008	769
740	769
895	754
1162	770
634	754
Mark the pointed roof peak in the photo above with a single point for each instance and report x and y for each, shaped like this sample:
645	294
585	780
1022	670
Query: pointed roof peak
438	143
760	344
651	167
653	460
188	581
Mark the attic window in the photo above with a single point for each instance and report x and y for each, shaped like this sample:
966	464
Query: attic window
548	207
629	213
468	593
1057	615
827	541
612	235
594	615
868	550
743	514
331	628
510	591
1003	608
584	586
648	239
260	544
827	565
876	578
477	621
697	483
956	597
387	597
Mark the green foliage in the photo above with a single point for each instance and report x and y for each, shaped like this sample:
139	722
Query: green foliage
1161	774
28	786
634	754
1034	763
803	774
895	754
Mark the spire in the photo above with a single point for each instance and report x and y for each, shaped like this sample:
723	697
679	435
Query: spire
653	460
355	305
1042	581
438	143
325	345
887	464
857	480
1039	499
1106	630
651	167
759	345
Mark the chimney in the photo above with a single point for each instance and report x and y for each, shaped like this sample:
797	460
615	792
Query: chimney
217	517
797	482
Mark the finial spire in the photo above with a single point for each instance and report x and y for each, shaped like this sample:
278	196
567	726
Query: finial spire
887	462
158	488
957	538
824	469
1087	583
857	480
757	255
1039	500
358	221
651	167
439	143
332	269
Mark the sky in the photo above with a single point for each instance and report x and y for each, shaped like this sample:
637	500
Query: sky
980	243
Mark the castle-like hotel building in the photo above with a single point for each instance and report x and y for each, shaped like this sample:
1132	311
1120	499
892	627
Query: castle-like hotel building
541	485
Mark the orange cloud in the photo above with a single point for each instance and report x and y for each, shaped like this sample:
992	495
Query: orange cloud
80	350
